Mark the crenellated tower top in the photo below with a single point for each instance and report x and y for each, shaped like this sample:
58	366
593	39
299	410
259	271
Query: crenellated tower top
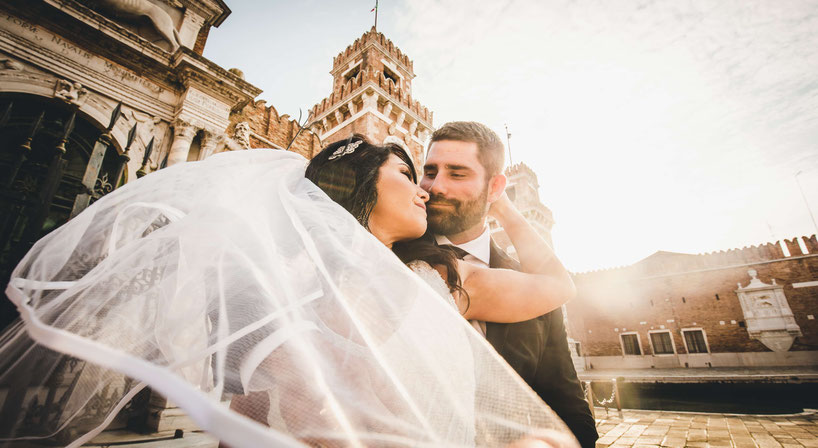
373	37
372	95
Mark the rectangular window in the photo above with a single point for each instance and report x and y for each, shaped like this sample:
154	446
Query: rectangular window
662	345
630	344
694	339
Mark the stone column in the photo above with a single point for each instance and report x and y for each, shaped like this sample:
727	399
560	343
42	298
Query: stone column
210	142
183	134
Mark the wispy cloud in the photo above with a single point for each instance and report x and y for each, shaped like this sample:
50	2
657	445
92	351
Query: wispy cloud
651	124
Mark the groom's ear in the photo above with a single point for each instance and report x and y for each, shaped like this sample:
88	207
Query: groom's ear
497	185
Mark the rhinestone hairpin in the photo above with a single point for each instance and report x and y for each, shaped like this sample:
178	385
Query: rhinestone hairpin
346	149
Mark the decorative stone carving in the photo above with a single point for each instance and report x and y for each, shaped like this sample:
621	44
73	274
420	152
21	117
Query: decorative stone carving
398	141
339	116
387	109
401	117
767	313
352	108
183	134
370	100
160	19
210	142
242	134
423	134
10	64
413	127
71	93
324	124
189	28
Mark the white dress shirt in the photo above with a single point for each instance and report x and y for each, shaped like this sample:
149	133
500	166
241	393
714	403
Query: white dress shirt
478	253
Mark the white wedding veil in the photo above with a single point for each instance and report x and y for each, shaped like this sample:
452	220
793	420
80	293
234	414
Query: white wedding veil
237	278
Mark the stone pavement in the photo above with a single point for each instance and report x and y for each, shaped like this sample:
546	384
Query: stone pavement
682	429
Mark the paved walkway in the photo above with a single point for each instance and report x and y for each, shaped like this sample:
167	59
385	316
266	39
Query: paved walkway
636	429
676	430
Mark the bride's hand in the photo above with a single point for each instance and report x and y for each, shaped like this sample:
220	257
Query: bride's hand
500	208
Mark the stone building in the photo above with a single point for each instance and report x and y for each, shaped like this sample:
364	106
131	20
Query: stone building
109	91
754	306
94	94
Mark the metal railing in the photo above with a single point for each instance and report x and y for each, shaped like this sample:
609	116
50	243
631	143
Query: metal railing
613	401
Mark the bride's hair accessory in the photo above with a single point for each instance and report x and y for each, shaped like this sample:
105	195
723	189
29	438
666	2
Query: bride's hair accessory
346	149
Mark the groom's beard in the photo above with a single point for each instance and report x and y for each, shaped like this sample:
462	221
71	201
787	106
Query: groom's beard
461	216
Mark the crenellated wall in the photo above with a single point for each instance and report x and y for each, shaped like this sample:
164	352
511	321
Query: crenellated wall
269	129
675	292
372	95
669	262
342	94
372	36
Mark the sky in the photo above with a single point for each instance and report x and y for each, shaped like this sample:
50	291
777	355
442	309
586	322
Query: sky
651	125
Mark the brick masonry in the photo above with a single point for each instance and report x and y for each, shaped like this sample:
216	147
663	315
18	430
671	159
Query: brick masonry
676	291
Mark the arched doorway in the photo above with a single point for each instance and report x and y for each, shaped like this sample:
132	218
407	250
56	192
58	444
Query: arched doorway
46	149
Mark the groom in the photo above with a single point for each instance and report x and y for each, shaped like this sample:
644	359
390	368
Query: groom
463	175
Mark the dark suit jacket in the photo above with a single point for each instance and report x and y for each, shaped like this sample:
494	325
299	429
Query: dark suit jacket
538	350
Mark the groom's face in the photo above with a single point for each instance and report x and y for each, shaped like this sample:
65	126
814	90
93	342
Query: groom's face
457	186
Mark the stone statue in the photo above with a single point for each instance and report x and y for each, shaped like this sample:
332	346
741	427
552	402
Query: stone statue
71	93
160	19
242	134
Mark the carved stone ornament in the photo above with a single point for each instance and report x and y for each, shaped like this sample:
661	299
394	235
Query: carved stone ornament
242	134
160	19
10	64
370	100
71	93
767	313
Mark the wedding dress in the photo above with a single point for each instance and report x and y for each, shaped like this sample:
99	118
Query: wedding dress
233	276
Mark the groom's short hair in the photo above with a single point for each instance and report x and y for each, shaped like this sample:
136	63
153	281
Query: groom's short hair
490	149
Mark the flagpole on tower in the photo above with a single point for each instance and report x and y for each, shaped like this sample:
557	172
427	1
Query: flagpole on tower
508	143
376	14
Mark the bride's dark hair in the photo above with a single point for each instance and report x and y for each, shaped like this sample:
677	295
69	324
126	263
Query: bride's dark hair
347	171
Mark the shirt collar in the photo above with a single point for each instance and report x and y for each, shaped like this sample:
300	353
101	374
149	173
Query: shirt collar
479	247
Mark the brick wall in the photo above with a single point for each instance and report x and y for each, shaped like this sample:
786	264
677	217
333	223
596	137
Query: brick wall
266	123
628	299
201	39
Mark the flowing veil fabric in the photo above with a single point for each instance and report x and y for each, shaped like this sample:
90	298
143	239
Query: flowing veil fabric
237	278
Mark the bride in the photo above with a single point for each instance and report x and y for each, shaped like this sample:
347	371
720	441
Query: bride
237	277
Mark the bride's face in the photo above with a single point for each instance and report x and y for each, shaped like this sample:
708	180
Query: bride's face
400	212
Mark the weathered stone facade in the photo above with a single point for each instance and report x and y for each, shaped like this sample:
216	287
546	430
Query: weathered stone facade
109	90
685	293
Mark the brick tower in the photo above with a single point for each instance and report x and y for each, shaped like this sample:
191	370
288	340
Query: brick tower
372	95
522	190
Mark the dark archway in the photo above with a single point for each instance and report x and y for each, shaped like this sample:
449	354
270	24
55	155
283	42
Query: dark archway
46	149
